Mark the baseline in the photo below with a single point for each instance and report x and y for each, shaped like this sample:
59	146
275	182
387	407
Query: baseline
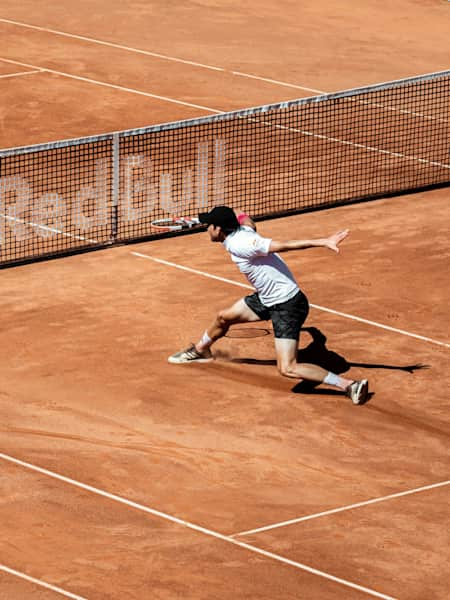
316	306
198	528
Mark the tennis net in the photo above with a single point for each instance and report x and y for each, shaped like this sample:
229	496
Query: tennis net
271	160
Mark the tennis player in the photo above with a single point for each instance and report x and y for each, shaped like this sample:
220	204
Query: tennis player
277	298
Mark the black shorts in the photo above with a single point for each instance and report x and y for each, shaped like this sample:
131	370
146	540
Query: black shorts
287	318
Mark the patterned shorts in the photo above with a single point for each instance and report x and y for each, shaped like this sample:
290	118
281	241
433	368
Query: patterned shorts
287	318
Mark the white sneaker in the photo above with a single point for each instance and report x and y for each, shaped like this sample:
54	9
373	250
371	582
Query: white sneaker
191	354
358	391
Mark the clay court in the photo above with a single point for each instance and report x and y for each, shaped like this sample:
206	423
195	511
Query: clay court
126	477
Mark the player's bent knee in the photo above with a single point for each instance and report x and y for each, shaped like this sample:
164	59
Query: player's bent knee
223	319
228	317
287	369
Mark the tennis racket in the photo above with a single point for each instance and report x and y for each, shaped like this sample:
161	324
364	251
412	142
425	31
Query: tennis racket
175	223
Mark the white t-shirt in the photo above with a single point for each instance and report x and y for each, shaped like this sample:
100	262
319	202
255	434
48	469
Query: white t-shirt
268	273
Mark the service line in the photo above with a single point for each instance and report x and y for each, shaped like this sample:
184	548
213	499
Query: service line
342	509
316	306
21	74
198	528
110	85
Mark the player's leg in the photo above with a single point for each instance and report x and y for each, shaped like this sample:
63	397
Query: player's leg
286	350
288	366
239	312
287	319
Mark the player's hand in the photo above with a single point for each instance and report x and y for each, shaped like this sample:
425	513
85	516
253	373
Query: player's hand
334	240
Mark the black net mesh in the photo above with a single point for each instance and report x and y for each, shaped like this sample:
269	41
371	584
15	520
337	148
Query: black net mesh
269	160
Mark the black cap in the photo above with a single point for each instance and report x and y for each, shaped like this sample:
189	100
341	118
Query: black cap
224	216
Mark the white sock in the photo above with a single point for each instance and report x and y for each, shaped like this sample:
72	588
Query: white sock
205	342
335	380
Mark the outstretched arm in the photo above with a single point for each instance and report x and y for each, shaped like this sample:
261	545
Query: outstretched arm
331	242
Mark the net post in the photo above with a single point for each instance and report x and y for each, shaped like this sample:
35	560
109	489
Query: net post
115	184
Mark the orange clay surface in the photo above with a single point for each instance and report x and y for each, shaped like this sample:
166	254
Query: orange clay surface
85	388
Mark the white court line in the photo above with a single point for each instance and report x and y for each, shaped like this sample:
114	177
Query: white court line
40	582
156	55
21	64
277	82
52	229
198	528
113	86
214	110
21	74
197	64
353	144
323	308
342	509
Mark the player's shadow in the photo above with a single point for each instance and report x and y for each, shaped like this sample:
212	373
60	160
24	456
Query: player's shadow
317	353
